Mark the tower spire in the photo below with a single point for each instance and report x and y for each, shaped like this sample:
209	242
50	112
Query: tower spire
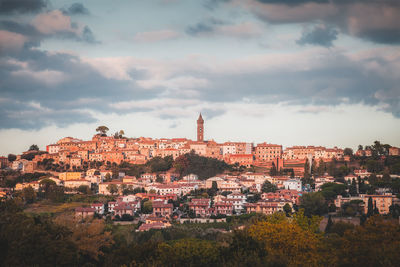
200	128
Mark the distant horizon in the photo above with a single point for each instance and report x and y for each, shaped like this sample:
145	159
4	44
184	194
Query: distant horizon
87	136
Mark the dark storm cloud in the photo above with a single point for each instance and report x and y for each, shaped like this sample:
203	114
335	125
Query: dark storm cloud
372	20
35	37
40	88
331	80
22	6
319	35
76	9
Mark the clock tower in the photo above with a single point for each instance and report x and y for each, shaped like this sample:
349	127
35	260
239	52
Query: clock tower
200	129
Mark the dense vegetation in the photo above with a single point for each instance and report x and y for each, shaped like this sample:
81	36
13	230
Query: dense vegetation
204	167
276	240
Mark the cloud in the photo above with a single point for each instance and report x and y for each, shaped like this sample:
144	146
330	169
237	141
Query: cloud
88	36
52	22
214	27
11	42
76	9
319	35
155	36
376	21
64	89
22	6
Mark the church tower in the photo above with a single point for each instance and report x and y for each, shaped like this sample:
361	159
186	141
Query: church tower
200	129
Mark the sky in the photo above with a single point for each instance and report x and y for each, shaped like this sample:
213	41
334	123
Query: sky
298	72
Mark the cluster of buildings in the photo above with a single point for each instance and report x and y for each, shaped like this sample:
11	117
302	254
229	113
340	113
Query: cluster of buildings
102	148
235	191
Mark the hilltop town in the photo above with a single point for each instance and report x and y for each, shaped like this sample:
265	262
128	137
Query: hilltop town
179	189
164	179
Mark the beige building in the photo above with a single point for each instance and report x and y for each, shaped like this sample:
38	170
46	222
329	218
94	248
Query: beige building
65	176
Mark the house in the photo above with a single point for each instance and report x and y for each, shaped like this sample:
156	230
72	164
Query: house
266	207
382	202
200	206
99	207
76	183
293	184
238	200
154	225
162	208
81	212
123	208
65	176
362	173
225	207
35	185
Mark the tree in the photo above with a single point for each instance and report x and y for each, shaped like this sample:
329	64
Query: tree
329	224
286	243
287	209
147	206
360	147
214	186
376	210
181	164
273	171
112	188
107	177
353	188
386	177
348	151
370	210
84	189
188	252
102	129
11	157
159	179
268	187
376	243
33	148
313	204
372	179
89	236
29	194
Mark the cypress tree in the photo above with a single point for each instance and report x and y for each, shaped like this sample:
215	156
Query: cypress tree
329	224
370	211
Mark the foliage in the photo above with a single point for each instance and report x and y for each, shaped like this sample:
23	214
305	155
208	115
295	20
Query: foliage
84	189
313	204
147	206
33	148
89	236
204	167
11	157
29	194
268	187
374	244
112	188
331	190
159	164
102	129
287	244
188	252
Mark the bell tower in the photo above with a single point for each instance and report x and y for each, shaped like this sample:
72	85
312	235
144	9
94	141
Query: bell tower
200	129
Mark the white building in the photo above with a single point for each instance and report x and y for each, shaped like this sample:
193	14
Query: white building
99	207
293	184
238	200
